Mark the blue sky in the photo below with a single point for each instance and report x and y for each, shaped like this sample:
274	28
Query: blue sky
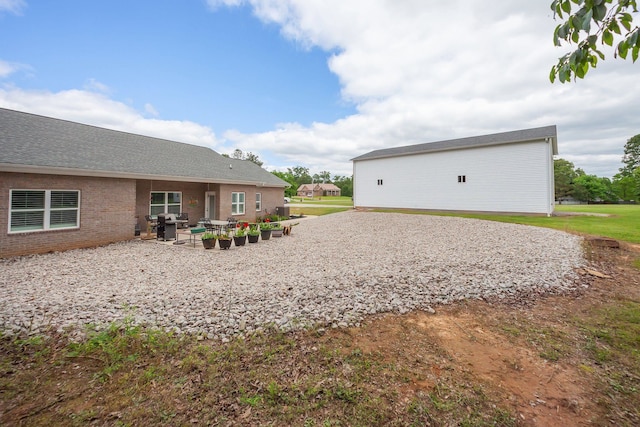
311	82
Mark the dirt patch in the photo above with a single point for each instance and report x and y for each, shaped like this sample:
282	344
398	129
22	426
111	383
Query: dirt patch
497	344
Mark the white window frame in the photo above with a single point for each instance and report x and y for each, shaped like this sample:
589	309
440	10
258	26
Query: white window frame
47	210
258	202
166	204
238	205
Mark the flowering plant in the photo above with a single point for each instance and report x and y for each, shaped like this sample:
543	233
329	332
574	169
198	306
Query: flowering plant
253	230
240	230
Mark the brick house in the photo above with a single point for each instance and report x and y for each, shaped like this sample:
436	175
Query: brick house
66	185
305	190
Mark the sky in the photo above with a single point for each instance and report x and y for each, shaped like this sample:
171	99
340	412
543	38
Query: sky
312	83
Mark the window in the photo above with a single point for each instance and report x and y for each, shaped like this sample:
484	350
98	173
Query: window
165	202
237	203
258	202
462	178
38	210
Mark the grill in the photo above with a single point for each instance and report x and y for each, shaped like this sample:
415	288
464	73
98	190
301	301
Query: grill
166	226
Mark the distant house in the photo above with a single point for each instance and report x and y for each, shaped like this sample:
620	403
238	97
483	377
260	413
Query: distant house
317	190
67	185
504	172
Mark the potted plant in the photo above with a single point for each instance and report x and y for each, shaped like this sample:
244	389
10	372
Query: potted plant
265	230
253	233
276	230
241	235
224	241
208	240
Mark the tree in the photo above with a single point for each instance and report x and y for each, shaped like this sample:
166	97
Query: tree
288	177
564	173
631	158
325	176
239	155
593	21
588	188
626	187
345	183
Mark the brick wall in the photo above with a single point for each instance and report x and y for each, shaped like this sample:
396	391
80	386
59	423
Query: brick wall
107	213
193	198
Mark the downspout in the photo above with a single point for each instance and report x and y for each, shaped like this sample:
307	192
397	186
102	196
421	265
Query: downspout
550	173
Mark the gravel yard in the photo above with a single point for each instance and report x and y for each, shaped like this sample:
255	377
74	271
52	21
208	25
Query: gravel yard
332	270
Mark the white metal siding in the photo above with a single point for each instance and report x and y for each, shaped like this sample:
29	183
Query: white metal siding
504	178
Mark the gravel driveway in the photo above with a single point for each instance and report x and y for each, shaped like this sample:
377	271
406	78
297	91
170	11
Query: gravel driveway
332	270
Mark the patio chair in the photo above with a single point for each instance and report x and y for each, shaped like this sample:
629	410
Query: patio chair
231	224
153	223
183	219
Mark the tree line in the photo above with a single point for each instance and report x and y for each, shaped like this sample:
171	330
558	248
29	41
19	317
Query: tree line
574	183
298	175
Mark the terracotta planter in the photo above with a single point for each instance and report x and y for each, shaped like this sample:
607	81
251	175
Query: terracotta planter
239	240
224	243
209	243
265	234
253	238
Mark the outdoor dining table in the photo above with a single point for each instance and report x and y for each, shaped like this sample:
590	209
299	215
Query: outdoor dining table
218	224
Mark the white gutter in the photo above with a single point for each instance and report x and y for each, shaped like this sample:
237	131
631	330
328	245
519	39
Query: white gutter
10	167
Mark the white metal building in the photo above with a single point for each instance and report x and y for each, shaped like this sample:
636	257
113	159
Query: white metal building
503	172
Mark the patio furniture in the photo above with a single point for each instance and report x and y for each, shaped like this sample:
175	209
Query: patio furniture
183	220
166	226
152	224
193	234
231	225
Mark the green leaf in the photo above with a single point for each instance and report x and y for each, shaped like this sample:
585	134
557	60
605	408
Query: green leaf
552	74
634	53
633	39
613	26
566	6
575	36
623	48
586	21
607	37
599	12
626	20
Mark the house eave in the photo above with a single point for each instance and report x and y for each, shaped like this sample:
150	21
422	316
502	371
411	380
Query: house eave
443	149
49	170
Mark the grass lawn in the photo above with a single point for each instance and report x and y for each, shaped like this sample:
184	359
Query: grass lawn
622	224
324	200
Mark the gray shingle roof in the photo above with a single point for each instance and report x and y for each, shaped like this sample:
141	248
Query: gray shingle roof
29	140
512	137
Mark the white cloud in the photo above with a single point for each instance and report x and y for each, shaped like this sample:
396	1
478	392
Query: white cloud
9	68
150	109
13	6
94	85
98	110
421	71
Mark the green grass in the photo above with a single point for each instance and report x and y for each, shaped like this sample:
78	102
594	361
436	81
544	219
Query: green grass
623	224
315	211
324	200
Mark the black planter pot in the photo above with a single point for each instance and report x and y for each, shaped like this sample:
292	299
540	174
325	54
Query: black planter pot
209	243
224	243
253	238
239	240
265	234
276	232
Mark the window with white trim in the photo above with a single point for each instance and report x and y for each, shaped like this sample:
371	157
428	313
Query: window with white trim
258	202
40	210
165	202
237	203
